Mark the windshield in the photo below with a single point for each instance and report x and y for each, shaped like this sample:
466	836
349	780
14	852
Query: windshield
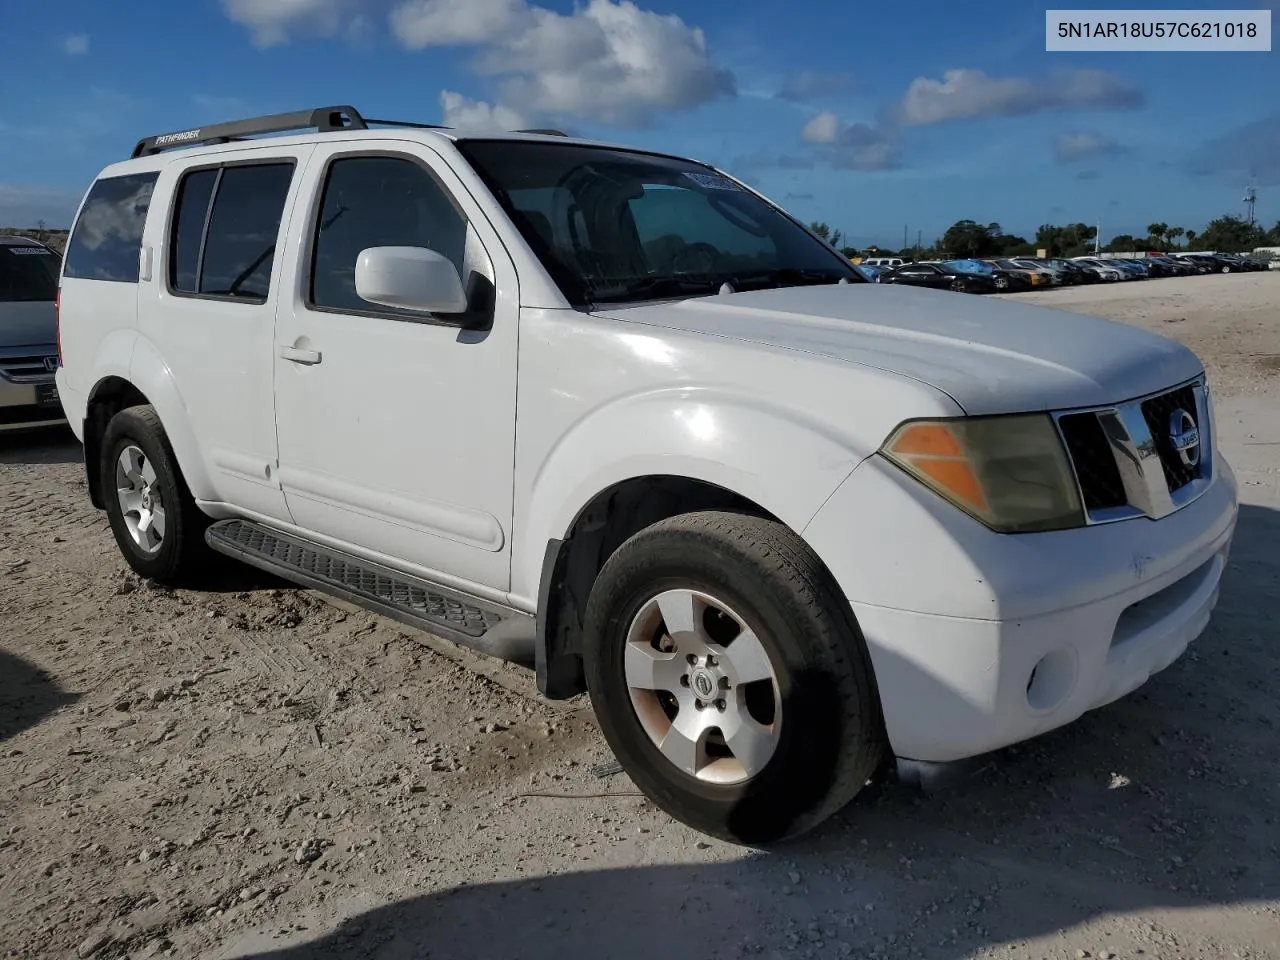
617	226
28	273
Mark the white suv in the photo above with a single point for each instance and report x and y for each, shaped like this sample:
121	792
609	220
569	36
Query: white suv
614	413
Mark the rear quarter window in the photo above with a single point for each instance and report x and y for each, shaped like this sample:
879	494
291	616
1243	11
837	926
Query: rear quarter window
107	237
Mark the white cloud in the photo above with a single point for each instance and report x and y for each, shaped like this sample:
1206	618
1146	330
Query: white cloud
966	94
76	45
609	61
467	114
272	22
1082	145
824	128
437	23
850	146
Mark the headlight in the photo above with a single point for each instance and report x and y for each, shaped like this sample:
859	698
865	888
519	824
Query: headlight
1009	472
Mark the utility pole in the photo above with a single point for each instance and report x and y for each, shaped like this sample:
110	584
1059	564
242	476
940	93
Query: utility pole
1097	238
904	236
1250	202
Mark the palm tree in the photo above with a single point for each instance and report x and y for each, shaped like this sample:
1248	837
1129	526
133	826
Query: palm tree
1191	238
1157	232
1173	233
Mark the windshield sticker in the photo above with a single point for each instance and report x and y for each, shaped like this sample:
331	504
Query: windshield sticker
30	252
712	181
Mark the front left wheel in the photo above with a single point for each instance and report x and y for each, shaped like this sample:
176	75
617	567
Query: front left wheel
156	523
729	677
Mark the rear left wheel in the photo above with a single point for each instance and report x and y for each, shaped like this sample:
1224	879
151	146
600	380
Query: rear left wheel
156	523
729	677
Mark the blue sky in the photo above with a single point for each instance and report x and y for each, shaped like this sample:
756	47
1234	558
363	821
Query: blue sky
869	116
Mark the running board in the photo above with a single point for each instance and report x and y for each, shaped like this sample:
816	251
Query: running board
482	626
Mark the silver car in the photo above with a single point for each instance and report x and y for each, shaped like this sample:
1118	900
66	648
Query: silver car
28	334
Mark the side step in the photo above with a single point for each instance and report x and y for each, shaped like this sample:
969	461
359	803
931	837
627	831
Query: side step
488	628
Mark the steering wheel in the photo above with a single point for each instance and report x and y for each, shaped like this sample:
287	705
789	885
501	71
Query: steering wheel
696	257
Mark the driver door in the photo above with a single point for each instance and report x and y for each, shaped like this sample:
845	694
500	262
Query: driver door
396	429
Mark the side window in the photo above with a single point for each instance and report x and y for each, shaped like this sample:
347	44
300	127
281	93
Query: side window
240	242
378	202
190	214
107	237
222	242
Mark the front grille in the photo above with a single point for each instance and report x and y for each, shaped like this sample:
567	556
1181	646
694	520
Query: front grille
1095	464
1158	412
26	369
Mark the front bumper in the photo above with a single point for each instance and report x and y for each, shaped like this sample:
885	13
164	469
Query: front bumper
26	406
980	640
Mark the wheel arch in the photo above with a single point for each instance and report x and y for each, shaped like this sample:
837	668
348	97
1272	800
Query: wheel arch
149	382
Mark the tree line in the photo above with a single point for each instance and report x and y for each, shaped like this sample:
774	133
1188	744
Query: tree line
968	238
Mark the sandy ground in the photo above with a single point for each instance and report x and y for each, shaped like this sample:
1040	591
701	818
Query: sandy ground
252	772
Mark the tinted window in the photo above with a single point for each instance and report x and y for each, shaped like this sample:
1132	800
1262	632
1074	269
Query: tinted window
240	247
28	273
108	233
378	202
190	213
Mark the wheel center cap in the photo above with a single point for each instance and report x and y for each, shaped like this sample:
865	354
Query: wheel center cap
703	683
146	499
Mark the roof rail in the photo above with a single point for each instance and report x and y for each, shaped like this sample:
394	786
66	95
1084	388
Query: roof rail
321	119
545	131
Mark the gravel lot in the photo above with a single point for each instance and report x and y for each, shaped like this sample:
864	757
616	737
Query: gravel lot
253	772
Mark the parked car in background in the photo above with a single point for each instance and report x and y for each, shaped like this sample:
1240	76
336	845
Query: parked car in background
940	276
28	335
885	263
1126	270
1056	276
872	273
1010	276
1076	272
1173	266
1215	263
1197	265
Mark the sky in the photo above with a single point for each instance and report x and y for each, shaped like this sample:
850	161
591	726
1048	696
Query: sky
875	118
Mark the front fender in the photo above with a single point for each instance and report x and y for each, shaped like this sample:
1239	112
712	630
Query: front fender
775	457
151	374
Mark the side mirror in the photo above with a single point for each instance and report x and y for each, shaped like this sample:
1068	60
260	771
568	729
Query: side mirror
410	278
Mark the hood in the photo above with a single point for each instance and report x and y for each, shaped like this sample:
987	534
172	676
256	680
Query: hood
990	356
26	323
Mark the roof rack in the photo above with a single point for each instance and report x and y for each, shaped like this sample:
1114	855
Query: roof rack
545	131
320	119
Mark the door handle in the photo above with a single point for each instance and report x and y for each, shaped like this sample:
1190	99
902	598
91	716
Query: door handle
298	355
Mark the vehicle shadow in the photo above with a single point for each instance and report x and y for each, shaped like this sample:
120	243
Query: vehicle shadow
48	445
27	695
1161	801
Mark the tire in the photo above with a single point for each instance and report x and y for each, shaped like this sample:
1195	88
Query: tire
1002	283
825	726
171	551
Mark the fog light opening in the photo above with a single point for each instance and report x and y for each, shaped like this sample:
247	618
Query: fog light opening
1051	679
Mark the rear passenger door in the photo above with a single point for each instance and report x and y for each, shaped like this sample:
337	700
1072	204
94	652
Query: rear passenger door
209	311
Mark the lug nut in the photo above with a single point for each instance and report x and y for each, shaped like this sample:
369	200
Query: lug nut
720	705
699	705
724	683
693	661
684	680
713	662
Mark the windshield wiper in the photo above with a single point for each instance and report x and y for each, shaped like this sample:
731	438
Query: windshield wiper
790	277
621	289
